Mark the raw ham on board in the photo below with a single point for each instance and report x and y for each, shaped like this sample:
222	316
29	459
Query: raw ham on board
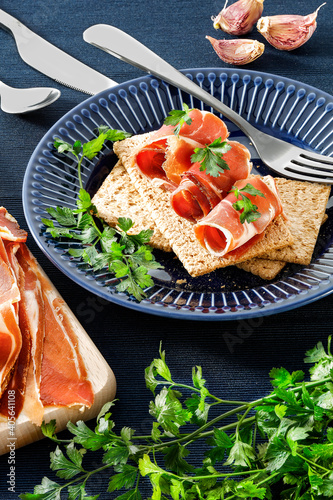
198	192
221	231
39	354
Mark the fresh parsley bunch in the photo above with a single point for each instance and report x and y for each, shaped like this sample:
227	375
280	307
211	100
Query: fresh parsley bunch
126	255
282	440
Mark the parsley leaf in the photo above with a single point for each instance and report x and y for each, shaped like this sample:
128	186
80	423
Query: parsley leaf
248	489
47	490
66	468
113	135
282	378
125	477
248	211
240	454
211	157
177	118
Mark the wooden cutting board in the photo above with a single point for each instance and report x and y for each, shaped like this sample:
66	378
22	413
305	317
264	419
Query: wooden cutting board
103	383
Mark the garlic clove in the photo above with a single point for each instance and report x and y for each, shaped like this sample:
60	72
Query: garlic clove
237	52
288	32
240	17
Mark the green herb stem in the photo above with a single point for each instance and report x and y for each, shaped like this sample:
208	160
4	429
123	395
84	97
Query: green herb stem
218	400
225	474
313	463
79	172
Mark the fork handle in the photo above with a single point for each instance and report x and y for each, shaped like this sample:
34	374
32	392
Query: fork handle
128	49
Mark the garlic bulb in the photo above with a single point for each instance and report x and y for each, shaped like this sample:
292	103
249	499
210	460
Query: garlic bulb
237	52
240	17
288	32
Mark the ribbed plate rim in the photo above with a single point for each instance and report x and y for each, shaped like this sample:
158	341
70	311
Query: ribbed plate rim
151	307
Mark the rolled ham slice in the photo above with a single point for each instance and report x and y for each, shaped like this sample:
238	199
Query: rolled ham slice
198	192
221	231
204	128
166	157
164	161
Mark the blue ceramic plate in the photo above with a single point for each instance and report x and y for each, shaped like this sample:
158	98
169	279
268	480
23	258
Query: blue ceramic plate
287	109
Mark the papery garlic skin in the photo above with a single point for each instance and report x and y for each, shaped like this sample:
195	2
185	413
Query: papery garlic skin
240	17
288	32
237	52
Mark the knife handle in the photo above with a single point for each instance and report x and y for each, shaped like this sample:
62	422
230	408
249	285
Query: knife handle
13	26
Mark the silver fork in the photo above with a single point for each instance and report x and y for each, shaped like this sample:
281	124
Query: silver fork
282	157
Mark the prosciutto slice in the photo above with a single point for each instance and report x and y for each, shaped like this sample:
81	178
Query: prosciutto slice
166	157
9	228
10	334
10	343
32	320
164	161
198	192
221	231
204	128
64	378
19	377
9	291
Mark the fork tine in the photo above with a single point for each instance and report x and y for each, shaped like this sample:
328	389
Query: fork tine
307	155
316	165
295	174
303	169
301	172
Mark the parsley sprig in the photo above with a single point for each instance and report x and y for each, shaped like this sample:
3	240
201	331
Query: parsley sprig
211	157
284	439
248	211
125	255
177	118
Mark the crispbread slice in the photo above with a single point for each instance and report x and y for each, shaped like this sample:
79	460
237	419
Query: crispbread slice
178	231
265	268
117	197
304	204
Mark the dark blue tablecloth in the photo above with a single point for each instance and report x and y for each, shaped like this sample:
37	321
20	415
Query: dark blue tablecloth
129	340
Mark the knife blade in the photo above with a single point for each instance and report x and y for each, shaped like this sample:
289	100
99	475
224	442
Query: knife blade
52	61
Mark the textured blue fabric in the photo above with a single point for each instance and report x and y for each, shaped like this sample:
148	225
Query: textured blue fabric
130	340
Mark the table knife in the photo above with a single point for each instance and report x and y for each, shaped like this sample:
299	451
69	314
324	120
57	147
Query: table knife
52	61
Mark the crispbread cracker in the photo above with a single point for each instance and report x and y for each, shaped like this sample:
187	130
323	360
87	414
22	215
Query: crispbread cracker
304	204
117	197
178	231
265	268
